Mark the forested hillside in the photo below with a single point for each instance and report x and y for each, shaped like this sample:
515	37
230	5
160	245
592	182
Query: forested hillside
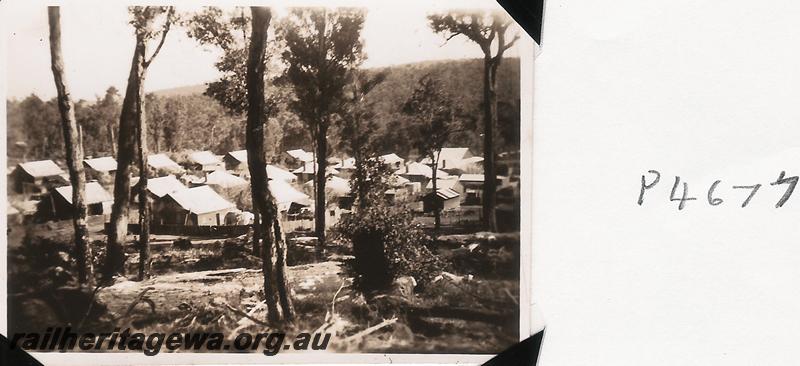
183	118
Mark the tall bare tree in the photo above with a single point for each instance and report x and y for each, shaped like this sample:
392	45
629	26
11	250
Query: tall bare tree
489	31
74	152
130	131
275	282
322	46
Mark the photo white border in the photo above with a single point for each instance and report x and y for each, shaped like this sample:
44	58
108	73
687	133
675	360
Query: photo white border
529	322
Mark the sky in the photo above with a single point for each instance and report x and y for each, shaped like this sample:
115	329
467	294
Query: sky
98	46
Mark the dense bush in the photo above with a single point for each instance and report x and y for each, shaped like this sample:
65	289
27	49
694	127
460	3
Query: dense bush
40	263
386	245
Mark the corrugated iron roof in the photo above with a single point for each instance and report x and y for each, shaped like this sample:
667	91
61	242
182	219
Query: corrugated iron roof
450	156
470	162
41	168
284	193
161	161
311	168
200	200
447	193
204	158
224	179
336	185
391	158
277	173
161	186
423	170
103	164
449	182
301	155
95	193
239	155
471	177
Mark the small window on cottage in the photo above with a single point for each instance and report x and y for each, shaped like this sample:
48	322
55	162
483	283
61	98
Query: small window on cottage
333	213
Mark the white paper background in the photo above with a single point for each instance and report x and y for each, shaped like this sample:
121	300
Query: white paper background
702	89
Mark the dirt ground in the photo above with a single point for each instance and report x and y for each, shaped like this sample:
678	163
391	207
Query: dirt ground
472	308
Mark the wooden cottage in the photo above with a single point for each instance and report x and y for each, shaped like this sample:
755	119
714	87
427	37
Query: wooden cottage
98	201
236	162
199	206
392	161
309	171
275	172
473	188
420	173
450	182
299	157
205	161
162	163
444	199
34	179
100	168
158	187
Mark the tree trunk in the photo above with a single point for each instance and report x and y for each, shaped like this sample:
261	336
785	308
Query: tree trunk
112	143
126	142
319	200
361	178
256	233
282	281
437	211
489	120
263	201
74	153
144	202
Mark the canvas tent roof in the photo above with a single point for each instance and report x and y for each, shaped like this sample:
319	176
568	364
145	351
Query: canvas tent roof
224	179
239	155
161	186
41	168
200	200
278	173
161	161
104	164
95	193
204	158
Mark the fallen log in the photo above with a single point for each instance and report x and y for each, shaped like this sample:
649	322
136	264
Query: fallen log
360	335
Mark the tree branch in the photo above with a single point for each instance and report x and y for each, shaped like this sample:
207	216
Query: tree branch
164	32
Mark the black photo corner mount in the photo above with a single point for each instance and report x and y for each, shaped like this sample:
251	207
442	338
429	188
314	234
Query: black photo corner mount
15	356
525	353
528	14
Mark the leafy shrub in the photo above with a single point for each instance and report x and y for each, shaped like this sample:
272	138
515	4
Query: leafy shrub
386	245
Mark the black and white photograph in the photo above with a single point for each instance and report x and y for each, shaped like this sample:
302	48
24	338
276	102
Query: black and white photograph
266	179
